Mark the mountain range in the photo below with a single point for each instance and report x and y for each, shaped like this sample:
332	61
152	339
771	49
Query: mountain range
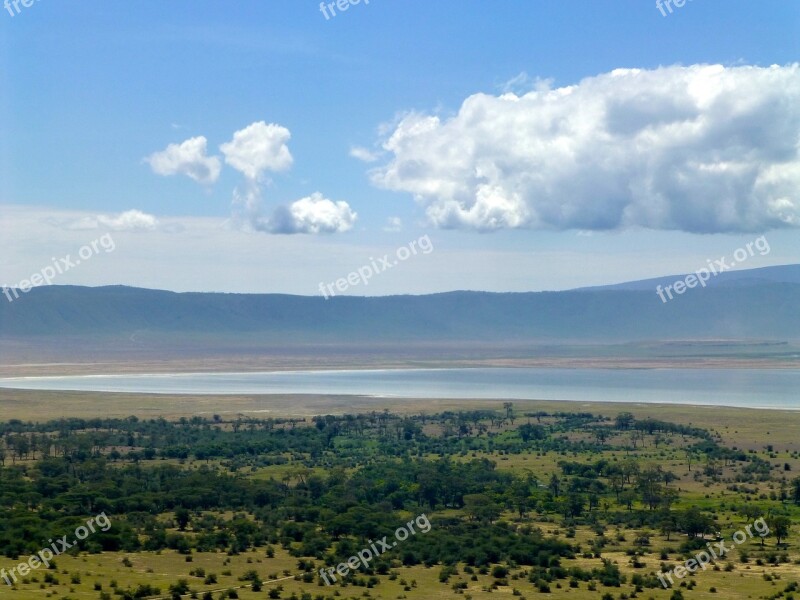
748	304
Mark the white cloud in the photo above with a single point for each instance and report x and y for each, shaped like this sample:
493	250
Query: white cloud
188	158
313	214
204	256
700	149
258	148
130	220
255	150
364	154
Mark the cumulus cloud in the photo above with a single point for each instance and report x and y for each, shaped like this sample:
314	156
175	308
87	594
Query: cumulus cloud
313	214
254	151
187	158
130	220
258	148
701	149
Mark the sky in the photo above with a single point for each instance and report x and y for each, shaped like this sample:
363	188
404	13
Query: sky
281	145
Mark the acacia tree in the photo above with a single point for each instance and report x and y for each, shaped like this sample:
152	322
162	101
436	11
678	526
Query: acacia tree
480	507
624	420
519	495
796	490
627	498
649	484
182	517
779	526
695	524
555	484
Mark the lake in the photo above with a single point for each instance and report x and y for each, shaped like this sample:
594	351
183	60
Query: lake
757	388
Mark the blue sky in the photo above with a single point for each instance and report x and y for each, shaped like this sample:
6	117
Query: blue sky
89	90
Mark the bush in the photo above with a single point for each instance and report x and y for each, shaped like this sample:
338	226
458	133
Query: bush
499	572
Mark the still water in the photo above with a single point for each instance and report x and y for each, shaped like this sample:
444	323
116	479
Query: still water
757	388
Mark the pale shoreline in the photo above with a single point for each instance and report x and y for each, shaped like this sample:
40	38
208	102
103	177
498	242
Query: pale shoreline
251	364
281	383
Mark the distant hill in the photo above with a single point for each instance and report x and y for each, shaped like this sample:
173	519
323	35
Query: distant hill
764	275
756	304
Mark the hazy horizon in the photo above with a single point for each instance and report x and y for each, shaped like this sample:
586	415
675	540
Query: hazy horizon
274	148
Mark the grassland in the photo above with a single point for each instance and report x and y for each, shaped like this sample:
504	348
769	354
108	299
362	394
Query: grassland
770	434
744	582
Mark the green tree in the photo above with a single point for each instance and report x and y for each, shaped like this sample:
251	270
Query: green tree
182	518
480	507
779	526
796	490
694	523
624	420
555	484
